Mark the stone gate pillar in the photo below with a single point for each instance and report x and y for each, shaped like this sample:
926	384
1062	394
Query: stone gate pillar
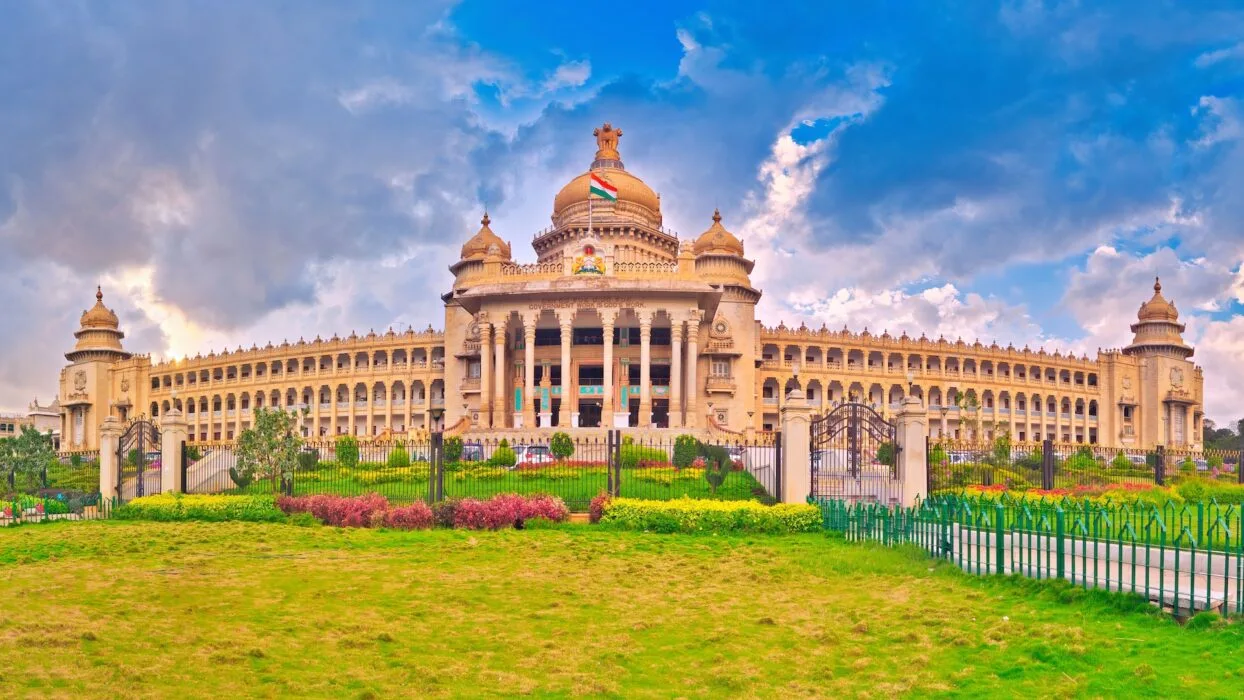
109	469
912	431
796	449
173	432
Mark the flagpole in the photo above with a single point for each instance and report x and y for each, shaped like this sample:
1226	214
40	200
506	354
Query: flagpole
589	203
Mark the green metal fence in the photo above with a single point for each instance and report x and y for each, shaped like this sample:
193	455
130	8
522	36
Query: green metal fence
1187	557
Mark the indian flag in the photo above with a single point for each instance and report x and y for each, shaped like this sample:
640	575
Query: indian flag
601	188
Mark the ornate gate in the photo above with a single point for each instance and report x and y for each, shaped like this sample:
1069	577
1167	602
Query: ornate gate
138	454
854	455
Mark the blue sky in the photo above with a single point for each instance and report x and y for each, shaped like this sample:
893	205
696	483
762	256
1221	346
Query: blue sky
235	173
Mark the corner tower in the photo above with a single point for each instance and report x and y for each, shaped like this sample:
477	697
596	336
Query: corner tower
1158	391
86	396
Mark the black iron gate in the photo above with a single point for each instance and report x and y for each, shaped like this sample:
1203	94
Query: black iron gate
854	454
138	454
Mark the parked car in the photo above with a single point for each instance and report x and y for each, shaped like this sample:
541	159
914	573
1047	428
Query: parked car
152	460
1201	465
472	452
1139	460
533	454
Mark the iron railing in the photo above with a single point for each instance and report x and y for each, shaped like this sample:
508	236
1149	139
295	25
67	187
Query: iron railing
1185	557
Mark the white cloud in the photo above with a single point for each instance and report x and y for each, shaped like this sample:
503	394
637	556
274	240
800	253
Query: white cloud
1210	58
1105	295
569	74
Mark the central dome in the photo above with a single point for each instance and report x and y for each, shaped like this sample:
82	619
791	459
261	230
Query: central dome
634	196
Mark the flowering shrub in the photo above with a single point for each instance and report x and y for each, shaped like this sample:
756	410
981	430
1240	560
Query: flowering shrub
416	516
179	507
339	511
687	515
445	512
508	510
1122	492
597	507
666	476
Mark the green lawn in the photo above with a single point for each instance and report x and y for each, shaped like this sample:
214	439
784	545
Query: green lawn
576	486
112	609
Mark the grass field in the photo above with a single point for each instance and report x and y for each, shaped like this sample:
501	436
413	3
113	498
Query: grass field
576	486
217	610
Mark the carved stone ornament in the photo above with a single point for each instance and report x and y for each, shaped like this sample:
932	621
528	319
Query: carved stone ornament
79	380
721	328
1127	382
125	384
1177	377
590	263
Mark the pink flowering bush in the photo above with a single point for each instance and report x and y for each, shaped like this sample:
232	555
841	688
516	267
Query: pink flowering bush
373	510
339	511
508	510
596	509
416	516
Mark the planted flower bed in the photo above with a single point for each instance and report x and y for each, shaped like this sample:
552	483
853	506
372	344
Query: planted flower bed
718	517
576	482
373	510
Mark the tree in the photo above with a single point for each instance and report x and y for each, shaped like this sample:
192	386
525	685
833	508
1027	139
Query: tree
27	455
347	451
398	457
685	449
968	404
886	453
269	449
1002	450
560	445
452	449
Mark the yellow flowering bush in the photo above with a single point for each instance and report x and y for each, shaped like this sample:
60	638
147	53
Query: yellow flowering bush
688	515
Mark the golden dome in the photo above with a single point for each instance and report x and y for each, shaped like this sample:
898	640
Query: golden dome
478	246
99	316
608	166
718	240
1158	308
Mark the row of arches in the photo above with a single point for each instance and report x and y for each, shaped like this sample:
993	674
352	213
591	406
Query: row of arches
375	395
841	359
378	360
819	393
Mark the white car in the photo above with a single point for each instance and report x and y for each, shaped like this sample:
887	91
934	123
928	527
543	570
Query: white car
533	454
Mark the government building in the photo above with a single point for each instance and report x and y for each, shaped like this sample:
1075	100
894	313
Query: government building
620	323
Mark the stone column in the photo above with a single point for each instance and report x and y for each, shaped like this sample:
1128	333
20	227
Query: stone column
608	318
317	422
172	435
912	424
109	469
796	449
388	406
499	394
485	372
945	426
693	359
645	368
529	369
566	322
676	419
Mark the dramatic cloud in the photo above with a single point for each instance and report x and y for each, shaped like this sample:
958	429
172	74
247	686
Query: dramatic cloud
239	173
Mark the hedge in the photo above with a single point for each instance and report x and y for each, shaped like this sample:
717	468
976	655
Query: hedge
176	506
688	515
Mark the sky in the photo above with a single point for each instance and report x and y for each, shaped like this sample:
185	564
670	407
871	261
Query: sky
234	173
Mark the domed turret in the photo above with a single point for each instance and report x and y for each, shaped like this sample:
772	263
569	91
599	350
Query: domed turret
1158	308
717	240
99	336
99	316
634	197
477	247
1158	330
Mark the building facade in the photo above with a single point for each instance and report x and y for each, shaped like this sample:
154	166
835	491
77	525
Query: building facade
620	323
